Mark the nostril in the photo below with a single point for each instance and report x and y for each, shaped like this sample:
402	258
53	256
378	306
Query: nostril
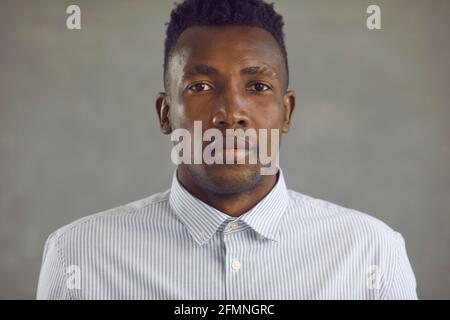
223	124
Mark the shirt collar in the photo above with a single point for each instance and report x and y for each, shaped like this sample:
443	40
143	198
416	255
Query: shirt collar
202	220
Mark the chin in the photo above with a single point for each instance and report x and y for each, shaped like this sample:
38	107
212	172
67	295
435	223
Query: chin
227	178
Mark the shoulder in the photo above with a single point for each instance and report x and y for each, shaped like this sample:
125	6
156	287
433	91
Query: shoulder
358	236
346	222
147	209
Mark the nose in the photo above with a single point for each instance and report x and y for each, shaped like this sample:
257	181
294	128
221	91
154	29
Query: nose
231	112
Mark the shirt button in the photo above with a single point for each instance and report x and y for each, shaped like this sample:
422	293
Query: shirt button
259	237
236	264
234	225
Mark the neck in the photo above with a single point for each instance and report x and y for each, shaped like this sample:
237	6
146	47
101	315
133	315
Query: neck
231	204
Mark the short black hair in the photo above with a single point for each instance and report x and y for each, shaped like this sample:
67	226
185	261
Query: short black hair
251	13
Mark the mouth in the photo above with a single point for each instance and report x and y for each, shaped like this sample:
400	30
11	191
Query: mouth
236	142
242	143
234	152
237	149
234	155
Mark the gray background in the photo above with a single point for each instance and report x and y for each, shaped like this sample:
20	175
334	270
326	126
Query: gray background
78	130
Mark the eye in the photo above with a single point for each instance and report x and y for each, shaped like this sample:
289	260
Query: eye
259	87
199	87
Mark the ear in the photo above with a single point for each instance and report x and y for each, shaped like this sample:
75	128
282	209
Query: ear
162	105
289	106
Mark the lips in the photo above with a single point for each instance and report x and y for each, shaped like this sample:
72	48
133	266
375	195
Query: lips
239	143
241	147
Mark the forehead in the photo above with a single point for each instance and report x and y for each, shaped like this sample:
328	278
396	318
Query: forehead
225	48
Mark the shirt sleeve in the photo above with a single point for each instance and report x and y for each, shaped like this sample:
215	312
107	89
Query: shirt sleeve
52	280
401	282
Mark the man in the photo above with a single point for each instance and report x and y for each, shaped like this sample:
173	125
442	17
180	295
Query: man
225	230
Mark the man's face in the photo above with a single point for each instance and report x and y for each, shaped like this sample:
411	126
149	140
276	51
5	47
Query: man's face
227	78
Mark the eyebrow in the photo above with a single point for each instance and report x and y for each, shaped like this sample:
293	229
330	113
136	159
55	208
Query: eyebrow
203	69
263	70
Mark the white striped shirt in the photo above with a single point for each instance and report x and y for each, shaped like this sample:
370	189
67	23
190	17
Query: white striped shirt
174	246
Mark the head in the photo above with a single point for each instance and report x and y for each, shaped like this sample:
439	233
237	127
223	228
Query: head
225	65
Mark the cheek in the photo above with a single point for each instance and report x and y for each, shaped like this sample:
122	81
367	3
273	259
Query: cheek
178	117
182	113
270	115
196	107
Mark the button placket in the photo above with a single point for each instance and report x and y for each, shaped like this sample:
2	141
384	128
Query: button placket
233	262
